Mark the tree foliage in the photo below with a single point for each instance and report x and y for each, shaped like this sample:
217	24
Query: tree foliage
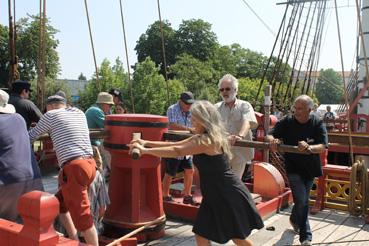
82	77
196	38
4	56
51	87
150	44
196	76
27	45
329	88
150	89
110	76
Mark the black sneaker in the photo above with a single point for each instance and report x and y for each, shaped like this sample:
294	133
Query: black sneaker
168	199
189	200
295	227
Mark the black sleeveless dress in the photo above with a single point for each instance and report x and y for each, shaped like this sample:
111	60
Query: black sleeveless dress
227	210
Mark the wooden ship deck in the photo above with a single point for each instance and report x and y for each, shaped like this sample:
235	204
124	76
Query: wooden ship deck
329	226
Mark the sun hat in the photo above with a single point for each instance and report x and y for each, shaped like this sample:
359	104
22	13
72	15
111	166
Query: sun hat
5	107
105	97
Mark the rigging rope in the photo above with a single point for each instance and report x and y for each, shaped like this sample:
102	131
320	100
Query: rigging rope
163	51
271	55
303	56
259	18
92	46
344	84
41	57
289	49
317	37
297	53
282	53
127	60
316	45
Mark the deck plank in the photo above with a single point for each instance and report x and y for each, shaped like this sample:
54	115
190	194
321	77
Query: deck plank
362	237
328	226
346	231
286	235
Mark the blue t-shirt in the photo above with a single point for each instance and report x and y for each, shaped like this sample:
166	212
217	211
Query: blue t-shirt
291	132
17	162
95	119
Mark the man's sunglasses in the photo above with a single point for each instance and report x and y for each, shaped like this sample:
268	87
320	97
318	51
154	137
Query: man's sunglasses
224	89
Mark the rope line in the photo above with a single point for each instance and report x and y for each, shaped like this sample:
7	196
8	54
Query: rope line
127	60
92	46
163	51
344	86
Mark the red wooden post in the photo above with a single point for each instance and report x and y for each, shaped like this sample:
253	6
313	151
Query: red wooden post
135	185
319	201
38	211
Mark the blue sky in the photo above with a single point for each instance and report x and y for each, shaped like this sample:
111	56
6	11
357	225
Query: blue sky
231	20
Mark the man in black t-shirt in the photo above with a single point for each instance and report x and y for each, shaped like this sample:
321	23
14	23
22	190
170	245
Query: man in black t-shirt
308	132
19	97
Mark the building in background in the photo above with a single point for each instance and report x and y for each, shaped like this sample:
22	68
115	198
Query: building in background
75	86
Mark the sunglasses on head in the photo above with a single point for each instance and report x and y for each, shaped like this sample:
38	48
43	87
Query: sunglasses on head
224	89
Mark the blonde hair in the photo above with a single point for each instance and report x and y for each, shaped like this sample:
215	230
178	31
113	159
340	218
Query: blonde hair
208	116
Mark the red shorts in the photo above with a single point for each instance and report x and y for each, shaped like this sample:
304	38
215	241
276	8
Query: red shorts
74	180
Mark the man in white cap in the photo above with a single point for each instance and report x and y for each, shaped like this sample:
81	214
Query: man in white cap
69	133
19	170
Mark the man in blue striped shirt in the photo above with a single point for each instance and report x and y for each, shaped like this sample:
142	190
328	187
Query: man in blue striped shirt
179	118
70	135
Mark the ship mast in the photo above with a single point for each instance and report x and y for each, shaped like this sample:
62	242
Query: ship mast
13	66
363	105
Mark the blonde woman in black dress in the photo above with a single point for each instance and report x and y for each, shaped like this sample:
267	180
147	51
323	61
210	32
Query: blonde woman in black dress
227	211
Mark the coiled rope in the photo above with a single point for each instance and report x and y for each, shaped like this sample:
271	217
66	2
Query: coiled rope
358	187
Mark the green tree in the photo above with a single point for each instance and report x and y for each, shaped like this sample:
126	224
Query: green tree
248	88
249	63
176	87
196	76
329	88
27	50
150	89
4	56
196	38
224	61
82	77
150	44
109	77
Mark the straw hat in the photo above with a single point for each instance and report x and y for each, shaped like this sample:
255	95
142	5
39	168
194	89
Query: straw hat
105	97
4	106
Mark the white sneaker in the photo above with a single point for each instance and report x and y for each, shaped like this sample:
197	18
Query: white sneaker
306	243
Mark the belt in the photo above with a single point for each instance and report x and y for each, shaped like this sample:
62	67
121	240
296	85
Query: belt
81	157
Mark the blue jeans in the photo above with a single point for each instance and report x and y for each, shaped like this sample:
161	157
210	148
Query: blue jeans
301	192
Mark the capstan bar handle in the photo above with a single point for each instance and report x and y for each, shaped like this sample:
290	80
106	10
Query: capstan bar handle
243	143
136	153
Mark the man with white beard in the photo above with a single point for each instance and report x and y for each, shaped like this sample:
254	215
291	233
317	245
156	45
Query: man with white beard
239	118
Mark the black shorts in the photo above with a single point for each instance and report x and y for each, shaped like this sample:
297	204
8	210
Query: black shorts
173	166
